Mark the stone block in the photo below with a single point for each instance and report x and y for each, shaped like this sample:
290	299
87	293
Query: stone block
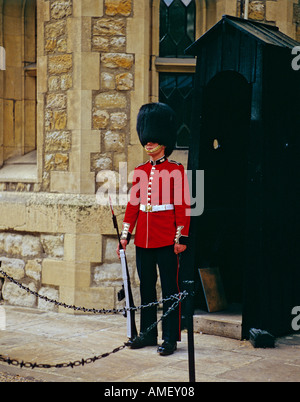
61	9
118	7
101	298
52	294
109	44
109	27
114	141
101	44
90	71
56	101
108	275
13	267
50	45
57	141
110	100
60	120
53	245
118	44
60	64
58	273
117	60
107	81
21	245
124	81
92	8
42	80
64	182
66	82
61	162
118	120
74	109
61	46
84	247
56	29
101	162
33	269
271	10
16	296
31	246
257	10
100	119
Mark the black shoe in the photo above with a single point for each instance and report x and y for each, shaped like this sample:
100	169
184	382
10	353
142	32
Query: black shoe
129	341
140	342
167	348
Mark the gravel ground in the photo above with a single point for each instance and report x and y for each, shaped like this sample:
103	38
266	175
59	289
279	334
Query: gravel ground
6	377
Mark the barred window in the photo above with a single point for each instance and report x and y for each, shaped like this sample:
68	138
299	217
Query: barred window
177	27
177	21
176	89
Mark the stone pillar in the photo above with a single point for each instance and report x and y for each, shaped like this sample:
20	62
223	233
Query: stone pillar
73	73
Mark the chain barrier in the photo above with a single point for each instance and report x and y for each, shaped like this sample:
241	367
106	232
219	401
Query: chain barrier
178	298
76	363
93	310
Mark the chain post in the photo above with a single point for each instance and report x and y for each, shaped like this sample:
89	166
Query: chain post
189	286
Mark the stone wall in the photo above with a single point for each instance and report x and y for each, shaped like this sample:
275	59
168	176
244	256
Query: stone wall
22	258
57	136
111	104
63	246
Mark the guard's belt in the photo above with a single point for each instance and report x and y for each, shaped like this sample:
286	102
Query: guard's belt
156	208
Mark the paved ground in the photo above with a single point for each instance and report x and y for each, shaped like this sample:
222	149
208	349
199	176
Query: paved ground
46	337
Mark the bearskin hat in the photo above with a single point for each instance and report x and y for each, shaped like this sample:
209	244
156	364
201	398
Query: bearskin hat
156	122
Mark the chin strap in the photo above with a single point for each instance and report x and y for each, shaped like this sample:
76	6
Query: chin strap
151	151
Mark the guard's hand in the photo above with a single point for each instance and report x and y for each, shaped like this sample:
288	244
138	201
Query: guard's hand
124	244
179	248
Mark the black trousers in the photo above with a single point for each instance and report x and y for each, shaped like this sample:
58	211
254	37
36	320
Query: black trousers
147	261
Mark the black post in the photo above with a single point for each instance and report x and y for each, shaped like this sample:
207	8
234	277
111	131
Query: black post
189	313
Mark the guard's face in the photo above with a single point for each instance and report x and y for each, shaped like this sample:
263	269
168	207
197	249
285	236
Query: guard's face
154	149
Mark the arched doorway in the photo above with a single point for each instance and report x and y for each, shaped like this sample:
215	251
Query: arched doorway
223	157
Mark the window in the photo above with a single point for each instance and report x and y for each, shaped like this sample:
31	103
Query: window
177	27
177	31
176	89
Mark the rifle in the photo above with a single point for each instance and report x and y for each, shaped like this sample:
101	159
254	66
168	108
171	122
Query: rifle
125	292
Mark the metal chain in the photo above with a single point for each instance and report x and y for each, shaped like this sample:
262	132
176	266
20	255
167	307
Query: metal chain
172	308
76	363
82	362
123	310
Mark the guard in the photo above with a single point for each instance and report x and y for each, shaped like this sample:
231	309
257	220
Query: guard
159	207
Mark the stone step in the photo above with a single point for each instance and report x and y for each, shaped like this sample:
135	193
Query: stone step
227	323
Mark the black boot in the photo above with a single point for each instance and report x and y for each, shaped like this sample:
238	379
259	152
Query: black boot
142	341
167	348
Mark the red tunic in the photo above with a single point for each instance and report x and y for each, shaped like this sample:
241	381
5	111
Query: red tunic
162	183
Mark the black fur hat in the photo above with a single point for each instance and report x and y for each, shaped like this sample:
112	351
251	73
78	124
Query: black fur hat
156	122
